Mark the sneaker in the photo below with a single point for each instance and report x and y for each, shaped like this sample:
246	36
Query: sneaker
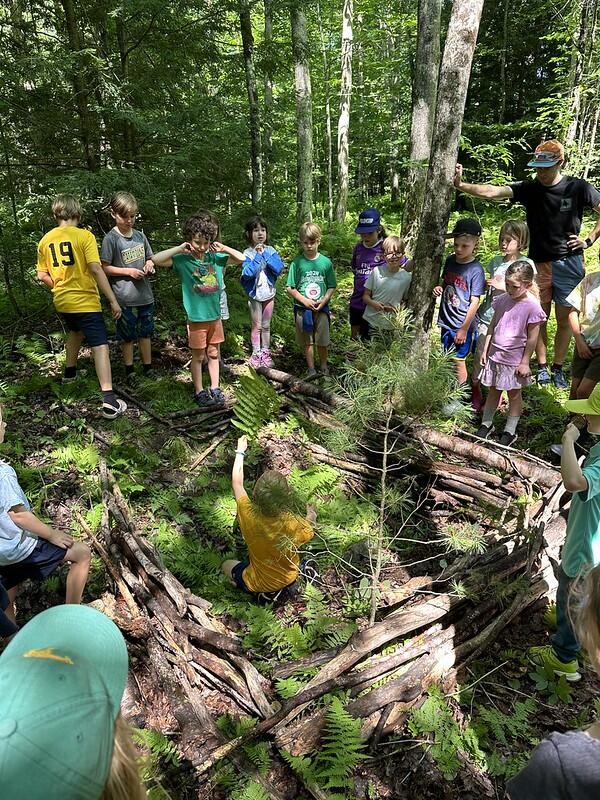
112	412
218	396
508	439
545	656
81	373
267	359
256	359
324	371
558	379
550	617
543	376
484	431
204	398
311	373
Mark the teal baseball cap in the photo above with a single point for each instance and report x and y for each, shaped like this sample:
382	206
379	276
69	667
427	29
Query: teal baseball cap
62	678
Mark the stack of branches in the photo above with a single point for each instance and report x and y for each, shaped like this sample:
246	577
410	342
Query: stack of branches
188	652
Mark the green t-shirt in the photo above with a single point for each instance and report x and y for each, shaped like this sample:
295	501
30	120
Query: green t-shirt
312	278
201	284
582	544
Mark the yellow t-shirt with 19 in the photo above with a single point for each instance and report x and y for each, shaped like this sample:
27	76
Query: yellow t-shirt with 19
65	253
272	546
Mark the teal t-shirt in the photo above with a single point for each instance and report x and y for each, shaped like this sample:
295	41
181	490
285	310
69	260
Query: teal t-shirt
582	544
201	284
312	278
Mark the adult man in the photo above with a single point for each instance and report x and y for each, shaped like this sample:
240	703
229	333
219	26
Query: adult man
554	205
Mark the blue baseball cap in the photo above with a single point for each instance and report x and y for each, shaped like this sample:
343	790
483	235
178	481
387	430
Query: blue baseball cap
369	221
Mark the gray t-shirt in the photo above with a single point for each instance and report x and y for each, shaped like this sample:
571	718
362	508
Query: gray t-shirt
129	252
388	288
565	766
15	544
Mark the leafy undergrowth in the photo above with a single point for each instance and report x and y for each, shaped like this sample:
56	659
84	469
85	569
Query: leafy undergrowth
486	729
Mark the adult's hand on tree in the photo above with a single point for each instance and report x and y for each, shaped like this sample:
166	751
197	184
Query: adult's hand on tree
458	174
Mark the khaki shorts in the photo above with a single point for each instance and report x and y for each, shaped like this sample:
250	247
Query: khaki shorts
320	330
586	367
201	334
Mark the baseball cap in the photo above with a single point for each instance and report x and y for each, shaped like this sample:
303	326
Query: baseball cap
368	221
62	678
591	405
547	154
466	226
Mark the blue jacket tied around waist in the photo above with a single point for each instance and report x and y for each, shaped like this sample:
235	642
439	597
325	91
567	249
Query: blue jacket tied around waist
269	261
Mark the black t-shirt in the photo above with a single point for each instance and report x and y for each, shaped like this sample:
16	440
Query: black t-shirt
553	213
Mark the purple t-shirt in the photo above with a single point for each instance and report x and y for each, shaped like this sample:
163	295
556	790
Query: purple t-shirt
364	260
461	282
510	332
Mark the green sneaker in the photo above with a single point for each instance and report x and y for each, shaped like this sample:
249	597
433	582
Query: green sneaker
550	617
545	656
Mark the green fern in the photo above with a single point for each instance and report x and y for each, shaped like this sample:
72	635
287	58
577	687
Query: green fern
257	402
316	480
494	725
341	749
252	791
158	745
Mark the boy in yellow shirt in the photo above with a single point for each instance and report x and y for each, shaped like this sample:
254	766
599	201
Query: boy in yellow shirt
68	263
272	535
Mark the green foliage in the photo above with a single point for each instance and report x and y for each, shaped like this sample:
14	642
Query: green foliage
256	403
159	747
83	457
252	791
554	687
493	725
257	751
464	537
434	720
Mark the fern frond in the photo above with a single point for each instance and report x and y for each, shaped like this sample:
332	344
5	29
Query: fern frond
257	402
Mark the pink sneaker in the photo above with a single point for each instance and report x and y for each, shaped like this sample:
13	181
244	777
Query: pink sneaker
266	358
256	359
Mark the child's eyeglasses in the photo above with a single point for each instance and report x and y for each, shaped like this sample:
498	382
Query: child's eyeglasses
393	255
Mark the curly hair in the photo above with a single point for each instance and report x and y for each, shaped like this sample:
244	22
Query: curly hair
204	223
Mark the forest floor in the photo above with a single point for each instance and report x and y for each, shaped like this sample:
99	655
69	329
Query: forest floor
55	442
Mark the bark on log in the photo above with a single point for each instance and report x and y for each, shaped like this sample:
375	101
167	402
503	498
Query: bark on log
295	385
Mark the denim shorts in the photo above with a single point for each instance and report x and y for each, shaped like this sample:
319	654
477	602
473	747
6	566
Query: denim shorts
136	322
90	323
236	574
557	279
43	560
461	350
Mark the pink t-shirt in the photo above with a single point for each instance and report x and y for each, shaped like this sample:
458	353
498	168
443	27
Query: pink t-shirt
510	333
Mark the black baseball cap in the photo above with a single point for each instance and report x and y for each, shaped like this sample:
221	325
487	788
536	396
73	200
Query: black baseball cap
466	226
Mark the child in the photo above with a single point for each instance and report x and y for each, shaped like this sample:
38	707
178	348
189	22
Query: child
127	260
199	262
581	549
261	268
509	344
68	263
567	765
271	533
463	283
513	239
386	286
311	282
365	256
31	549
63	737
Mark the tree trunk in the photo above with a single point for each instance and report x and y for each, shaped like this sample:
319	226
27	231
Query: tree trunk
452	92
344	117
80	79
267	123
328	137
255	145
503	54
304	122
427	61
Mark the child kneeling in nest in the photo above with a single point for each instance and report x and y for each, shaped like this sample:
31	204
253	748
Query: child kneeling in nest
272	533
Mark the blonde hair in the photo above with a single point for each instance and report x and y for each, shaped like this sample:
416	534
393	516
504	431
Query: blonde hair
393	243
66	207
585	596
124	782
524	273
516	229
123	203
272	494
309	231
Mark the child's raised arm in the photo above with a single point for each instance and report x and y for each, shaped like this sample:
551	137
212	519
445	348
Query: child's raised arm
237	473
165	257
235	257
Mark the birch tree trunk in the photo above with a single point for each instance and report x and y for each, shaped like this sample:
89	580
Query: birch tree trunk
344	117
304	122
452	92
427	61
268	120
328	137
255	145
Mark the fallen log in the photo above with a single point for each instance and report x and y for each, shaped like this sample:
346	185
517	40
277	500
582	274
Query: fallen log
295	385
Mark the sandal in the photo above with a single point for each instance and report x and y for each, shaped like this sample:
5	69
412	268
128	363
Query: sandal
204	399
112	412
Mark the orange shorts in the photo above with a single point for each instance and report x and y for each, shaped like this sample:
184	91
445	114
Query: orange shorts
557	279
201	334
